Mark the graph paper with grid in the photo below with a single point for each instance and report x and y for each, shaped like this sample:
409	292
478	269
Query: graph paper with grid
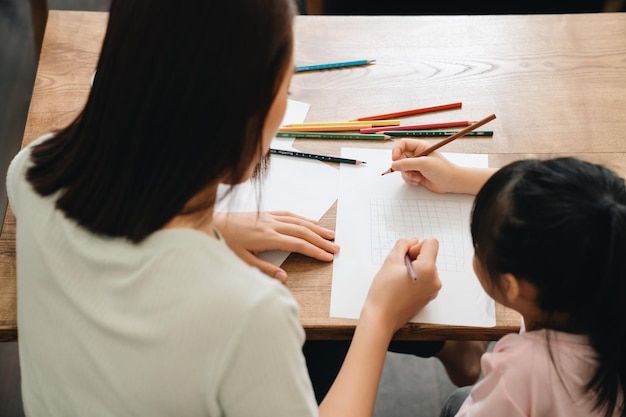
392	219
374	211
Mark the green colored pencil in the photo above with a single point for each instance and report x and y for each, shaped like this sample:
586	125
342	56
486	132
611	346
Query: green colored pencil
435	133
321	135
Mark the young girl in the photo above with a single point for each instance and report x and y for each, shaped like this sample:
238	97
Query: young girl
130	302
550	242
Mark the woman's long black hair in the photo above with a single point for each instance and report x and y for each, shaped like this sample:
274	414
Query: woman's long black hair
179	101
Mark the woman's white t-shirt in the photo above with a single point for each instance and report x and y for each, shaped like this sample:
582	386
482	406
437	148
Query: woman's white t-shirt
177	325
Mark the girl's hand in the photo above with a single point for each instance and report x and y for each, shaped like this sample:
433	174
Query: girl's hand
394	297
249	233
434	171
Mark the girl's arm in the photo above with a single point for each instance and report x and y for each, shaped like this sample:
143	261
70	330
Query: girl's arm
393	299
434	171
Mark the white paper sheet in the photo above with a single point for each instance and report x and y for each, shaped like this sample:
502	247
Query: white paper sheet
295	113
302	186
373	211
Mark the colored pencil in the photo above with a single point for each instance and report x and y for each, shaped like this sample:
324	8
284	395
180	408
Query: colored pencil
325	158
435	133
457	135
332	65
324	135
409	267
416	127
329	128
413	112
373	123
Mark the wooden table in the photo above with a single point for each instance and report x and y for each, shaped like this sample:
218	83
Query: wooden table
557	84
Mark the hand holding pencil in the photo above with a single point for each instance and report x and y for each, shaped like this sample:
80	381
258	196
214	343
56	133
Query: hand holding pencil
421	164
433	172
457	135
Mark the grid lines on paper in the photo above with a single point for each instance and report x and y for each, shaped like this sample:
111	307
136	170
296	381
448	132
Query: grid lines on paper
392	219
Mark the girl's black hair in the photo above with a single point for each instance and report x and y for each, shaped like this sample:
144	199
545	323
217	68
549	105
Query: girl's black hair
560	224
179	101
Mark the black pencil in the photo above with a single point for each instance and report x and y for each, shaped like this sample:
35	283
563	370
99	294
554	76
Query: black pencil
318	157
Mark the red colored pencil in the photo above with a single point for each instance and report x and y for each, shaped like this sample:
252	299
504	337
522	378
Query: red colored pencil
416	127
412	112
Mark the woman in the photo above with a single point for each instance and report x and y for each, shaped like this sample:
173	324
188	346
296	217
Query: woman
130	302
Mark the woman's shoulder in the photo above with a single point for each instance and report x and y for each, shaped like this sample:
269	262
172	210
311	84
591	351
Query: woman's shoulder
15	175
24	154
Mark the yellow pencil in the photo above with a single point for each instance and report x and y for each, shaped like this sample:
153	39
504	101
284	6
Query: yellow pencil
372	122
323	128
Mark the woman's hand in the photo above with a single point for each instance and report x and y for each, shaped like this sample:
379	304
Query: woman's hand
434	171
394	297
249	233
